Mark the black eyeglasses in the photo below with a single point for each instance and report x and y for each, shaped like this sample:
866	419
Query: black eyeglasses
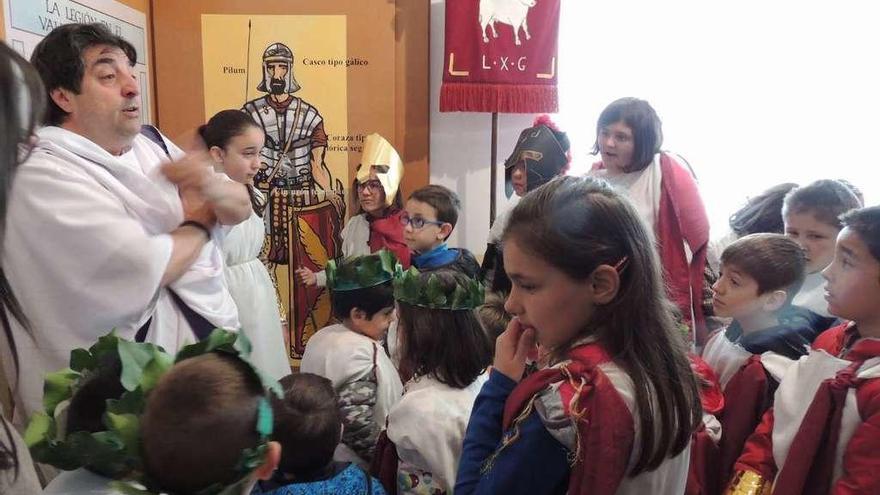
417	222
372	185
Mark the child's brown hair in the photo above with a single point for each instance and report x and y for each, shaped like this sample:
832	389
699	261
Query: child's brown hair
448	344
825	199
774	261
198	421
442	199
493	316
308	423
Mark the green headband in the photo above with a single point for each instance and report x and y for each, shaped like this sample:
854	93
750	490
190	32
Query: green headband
116	452
412	288
362	272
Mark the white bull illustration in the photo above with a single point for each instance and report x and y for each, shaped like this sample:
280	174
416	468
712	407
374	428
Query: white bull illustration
512	12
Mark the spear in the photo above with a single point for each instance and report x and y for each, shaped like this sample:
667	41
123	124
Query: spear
247	70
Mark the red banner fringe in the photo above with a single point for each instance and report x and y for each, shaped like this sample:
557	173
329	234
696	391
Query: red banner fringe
502	98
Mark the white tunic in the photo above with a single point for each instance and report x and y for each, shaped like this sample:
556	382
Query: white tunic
796	393
86	246
726	358
255	296
427	426
344	357
642	188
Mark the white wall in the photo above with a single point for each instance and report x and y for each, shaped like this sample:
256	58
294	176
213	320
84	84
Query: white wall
752	93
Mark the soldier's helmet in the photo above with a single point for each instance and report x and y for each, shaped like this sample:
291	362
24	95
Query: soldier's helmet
278	52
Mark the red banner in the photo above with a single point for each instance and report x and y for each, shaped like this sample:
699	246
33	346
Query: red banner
501	56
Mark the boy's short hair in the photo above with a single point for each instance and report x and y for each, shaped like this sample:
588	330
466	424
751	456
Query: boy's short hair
774	261
825	199
492	315
369	299
442	199
307	423
199	419
866	223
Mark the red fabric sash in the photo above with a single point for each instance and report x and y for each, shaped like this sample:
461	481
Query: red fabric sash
387	232
711	396
834	339
683	216
748	398
703	472
809	466
500	56
605	431
384	464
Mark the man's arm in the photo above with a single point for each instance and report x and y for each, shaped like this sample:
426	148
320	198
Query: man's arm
190	237
229	200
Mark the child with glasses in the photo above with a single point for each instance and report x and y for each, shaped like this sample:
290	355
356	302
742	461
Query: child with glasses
429	216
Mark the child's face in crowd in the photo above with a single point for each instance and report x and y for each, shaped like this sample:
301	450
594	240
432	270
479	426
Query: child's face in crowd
616	146
545	298
736	294
374	327
853	288
519	179
815	237
241	157
429	235
371	194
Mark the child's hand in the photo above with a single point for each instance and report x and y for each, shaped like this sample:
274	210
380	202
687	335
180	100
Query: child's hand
511	349
307	276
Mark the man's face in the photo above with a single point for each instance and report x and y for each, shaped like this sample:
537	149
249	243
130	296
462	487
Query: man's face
107	108
277	73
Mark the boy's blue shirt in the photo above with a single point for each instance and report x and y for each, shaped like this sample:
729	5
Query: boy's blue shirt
439	256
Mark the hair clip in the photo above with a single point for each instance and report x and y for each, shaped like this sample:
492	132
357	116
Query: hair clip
621	265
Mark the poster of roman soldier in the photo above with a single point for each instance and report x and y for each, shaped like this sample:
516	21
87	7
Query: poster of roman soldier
301	175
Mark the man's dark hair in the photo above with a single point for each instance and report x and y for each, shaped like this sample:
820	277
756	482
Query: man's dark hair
307	423
370	299
59	60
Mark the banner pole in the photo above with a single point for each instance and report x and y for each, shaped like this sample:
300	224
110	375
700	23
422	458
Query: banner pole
493	176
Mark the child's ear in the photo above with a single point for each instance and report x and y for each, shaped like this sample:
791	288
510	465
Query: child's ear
445	230
273	457
216	153
775	300
604	282
357	314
